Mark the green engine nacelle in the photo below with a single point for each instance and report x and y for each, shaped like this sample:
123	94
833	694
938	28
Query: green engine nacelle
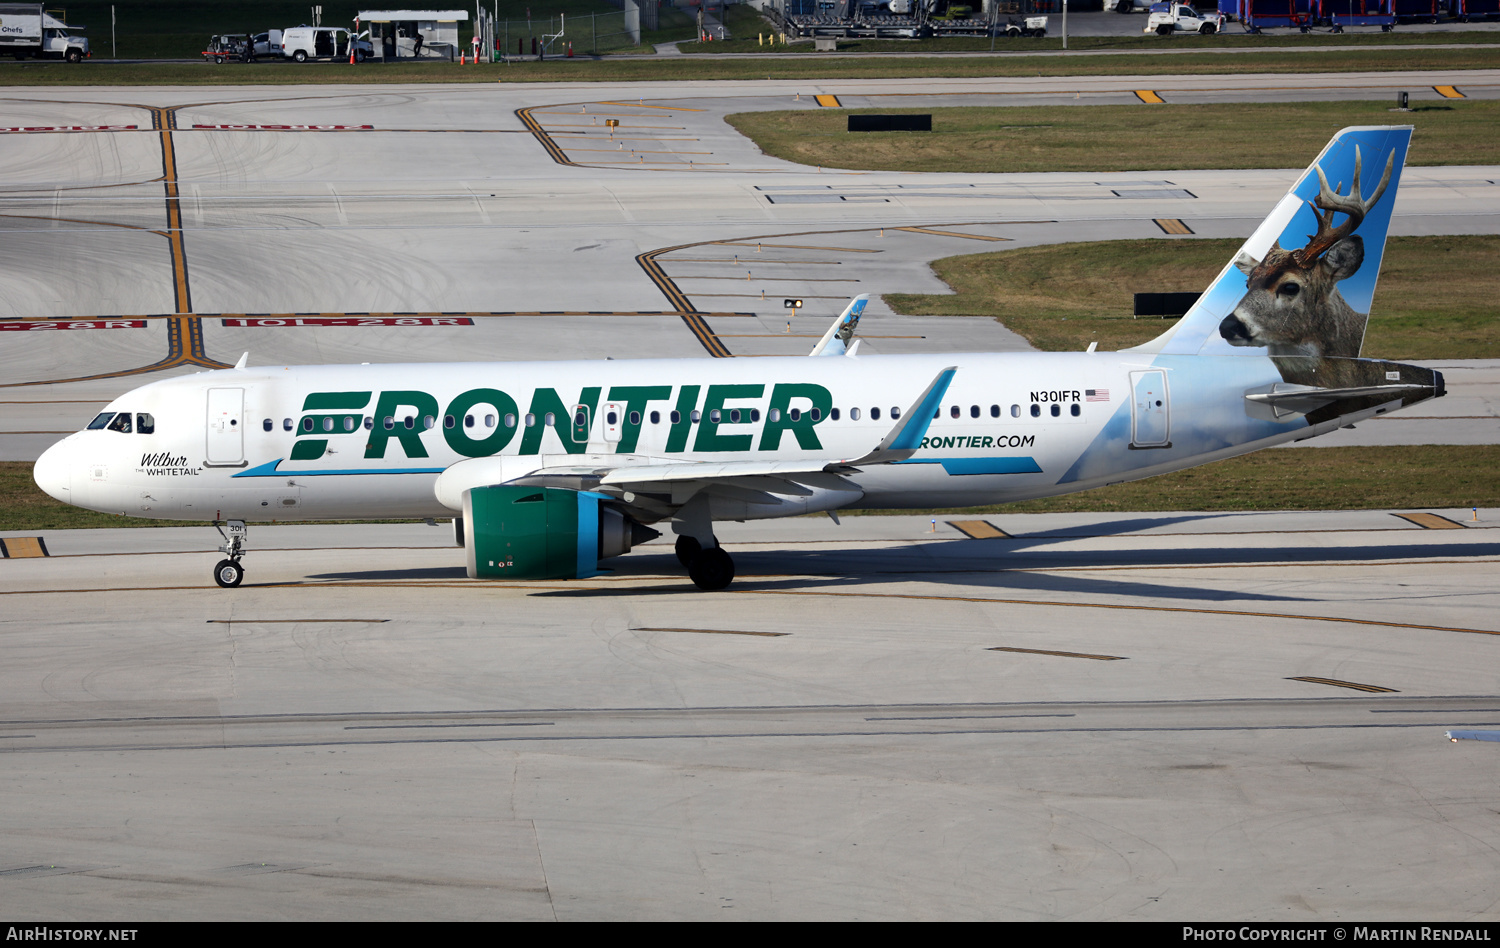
513	532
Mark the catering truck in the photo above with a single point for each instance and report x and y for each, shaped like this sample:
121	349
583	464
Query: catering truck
28	30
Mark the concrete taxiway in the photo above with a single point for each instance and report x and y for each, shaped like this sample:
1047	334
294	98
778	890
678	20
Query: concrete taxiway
1209	716
1146	716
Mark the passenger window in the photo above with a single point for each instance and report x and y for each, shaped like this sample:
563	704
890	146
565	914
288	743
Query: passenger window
775	414
697	416
656	418
268	424
713	416
675	417
530	420
489	421
1056	410
953	412
389	423
973	411
755	414
834	415
854	414
450	422
1076	410
994	411
121	423
327	424
286	424
1036	410
635	417
795	414
100	421
610	418
874	414
428	421
816	414
734	416
895	414
1015	411
468	421
369	423
550	419
350	422
510	420
580	419
411	421
307	424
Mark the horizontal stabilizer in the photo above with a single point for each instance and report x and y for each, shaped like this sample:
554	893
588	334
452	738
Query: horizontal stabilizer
1301	399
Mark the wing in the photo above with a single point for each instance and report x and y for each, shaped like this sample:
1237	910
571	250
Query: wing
653	488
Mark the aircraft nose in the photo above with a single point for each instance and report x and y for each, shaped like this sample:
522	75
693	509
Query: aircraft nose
53	472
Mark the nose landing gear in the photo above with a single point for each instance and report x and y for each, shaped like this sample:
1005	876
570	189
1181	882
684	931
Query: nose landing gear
229	573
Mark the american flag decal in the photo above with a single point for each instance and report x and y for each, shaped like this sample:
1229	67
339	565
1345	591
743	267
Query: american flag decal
1096	394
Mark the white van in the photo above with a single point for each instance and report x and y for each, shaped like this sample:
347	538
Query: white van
302	43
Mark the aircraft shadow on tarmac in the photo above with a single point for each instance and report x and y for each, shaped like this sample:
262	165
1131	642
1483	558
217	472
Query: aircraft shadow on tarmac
1011	564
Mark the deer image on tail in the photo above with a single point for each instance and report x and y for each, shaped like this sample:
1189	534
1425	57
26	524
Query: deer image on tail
1292	307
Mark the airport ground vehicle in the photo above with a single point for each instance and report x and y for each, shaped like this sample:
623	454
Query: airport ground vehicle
547	468
1027	26
27	30
233	47
268	43
301	43
1169	18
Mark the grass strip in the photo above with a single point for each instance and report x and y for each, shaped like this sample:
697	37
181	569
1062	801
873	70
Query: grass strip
1062	297
1100	138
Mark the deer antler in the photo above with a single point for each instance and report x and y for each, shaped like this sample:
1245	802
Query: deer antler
1332	202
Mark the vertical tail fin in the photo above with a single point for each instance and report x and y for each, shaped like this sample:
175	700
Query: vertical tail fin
1302	285
836	341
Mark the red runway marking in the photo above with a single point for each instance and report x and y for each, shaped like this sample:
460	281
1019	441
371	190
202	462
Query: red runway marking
275	323
38	325
290	128
67	128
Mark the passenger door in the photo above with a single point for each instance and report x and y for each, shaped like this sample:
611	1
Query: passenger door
226	428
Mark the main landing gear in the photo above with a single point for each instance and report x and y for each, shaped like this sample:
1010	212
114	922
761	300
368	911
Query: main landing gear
229	573
709	568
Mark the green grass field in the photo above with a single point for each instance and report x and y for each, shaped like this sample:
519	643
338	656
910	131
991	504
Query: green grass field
1062	297
1139	137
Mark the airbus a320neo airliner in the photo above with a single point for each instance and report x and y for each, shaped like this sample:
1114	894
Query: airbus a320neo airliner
547	468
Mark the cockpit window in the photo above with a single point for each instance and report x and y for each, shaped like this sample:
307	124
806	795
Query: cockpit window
145	423
121	423
100	421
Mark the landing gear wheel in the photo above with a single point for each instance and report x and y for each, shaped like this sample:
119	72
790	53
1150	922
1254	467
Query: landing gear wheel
229	573
688	550
713	569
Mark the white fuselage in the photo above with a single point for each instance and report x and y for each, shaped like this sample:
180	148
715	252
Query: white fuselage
369	441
